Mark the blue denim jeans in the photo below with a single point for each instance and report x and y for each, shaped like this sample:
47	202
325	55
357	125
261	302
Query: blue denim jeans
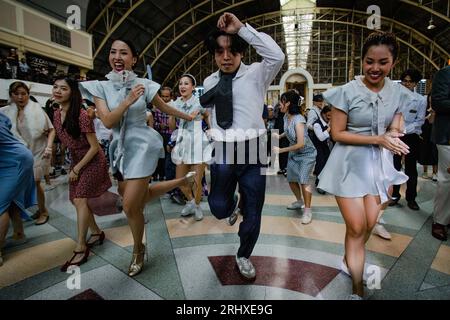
252	187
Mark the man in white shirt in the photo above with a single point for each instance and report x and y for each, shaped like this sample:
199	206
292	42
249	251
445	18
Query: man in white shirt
237	98
414	117
314	112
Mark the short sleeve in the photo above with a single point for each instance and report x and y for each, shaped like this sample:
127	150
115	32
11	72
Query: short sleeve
338	98
91	89
406	99
151	89
86	123
300	119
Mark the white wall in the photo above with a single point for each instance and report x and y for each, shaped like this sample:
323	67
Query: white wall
42	92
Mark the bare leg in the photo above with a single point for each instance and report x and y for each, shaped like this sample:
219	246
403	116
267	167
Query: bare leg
352	210
133	206
181	171
162	187
372	207
435	169
199	169
93	224
17	223
425	169
4	225
307	195
41	203
83	220
295	188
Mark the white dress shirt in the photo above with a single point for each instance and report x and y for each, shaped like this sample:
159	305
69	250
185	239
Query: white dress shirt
414	114
313	115
321	135
249	88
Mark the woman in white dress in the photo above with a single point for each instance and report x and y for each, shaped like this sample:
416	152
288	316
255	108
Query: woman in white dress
135	148
32	126
192	149
366	125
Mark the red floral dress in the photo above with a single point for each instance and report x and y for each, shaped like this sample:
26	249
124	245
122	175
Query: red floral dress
93	179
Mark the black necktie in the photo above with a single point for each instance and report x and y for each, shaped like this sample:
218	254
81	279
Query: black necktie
221	96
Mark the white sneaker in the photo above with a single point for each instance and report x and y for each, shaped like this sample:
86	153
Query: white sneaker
189	208
307	216
434	178
198	213
354	297
246	267
233	218
380	231
344	269
296	205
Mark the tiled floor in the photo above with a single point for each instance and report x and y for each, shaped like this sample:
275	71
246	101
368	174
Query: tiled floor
195	260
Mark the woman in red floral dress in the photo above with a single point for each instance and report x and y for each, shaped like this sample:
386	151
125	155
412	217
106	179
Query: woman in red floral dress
88	176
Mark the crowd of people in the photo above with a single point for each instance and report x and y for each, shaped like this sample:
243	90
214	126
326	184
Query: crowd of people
351	142
13	67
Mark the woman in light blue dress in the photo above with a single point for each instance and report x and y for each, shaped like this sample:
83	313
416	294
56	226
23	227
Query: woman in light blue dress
18	189
192	149
135	148
302	154
366	125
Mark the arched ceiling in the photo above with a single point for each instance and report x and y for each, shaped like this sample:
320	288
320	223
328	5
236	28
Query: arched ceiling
169	33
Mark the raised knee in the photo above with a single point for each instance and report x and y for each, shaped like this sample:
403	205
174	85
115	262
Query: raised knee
357	231
218	208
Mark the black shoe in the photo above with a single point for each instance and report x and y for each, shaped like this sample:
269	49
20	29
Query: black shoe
281	171
438	231
413	205
394	202
63	172
321	191
178	199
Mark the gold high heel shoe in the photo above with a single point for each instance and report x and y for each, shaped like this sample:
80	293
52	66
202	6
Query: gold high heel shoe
136	266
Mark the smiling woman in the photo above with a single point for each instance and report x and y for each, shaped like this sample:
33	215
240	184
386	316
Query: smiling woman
135	148
32	126
365	123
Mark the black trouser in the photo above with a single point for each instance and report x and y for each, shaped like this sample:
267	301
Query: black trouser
161	168
283	157
323	153
412	140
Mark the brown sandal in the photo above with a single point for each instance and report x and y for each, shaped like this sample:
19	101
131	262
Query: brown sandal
79	263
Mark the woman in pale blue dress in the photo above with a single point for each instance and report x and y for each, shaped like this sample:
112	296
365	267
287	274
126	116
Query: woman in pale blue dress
135	148
302	153
18	189
366	125
192	149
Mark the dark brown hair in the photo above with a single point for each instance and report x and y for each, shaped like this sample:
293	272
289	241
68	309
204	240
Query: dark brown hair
16	85
72	121
379	38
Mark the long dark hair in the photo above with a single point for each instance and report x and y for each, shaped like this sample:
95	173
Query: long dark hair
294	98
72	122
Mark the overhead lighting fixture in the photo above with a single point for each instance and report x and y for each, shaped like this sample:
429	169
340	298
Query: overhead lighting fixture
185	45
431	25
